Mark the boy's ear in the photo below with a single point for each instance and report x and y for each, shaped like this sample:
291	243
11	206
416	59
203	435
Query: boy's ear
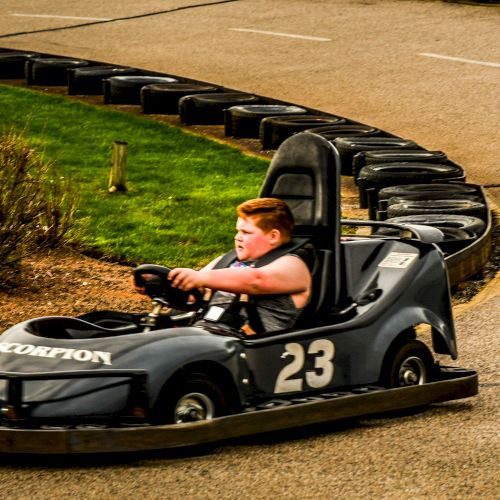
275	236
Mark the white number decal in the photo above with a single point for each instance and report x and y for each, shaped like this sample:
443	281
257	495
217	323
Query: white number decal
283	383
323	363
319	377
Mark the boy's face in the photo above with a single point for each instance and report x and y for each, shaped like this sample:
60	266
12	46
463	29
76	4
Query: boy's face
251	242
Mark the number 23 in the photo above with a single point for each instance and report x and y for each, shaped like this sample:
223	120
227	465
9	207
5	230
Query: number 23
313	378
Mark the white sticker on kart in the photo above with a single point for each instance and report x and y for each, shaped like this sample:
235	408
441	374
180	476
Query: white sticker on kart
214	313
398	260
323	371
42	351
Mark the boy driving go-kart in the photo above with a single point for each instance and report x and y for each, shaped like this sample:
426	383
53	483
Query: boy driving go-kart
246	295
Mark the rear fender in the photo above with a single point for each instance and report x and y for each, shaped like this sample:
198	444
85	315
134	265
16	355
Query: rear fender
394	332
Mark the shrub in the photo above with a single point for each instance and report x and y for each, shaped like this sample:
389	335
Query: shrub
36	207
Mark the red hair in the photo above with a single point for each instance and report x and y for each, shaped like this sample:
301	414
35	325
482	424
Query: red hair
269	213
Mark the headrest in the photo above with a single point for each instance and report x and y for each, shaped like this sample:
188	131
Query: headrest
304	172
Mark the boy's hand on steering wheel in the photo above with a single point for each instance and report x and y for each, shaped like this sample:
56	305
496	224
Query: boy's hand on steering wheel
185	279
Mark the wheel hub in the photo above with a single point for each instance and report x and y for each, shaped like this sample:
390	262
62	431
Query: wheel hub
194	407
412	372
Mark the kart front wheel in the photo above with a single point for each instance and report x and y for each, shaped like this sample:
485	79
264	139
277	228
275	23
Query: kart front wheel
412	364
193	399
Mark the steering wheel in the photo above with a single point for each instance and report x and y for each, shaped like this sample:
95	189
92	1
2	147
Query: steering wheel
155	281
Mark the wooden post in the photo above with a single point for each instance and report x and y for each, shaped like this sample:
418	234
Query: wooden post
118	163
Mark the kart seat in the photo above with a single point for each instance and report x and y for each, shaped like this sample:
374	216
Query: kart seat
305	172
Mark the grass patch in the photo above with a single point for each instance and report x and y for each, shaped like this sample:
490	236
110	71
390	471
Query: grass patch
182	188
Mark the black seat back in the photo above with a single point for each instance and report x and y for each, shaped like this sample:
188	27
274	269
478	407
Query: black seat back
305	172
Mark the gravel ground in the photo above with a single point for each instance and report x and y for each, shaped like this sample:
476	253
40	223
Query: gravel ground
371	72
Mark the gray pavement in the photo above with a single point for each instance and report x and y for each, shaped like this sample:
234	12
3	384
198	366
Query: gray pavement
425	70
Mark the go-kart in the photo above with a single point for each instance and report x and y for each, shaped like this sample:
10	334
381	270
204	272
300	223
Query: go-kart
115	381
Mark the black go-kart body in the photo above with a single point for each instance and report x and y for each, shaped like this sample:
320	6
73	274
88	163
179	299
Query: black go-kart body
115	381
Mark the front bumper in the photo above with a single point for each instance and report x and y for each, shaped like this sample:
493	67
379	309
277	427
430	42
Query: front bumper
15	410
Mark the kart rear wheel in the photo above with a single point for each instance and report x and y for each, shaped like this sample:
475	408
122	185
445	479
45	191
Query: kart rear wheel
411	365
194	398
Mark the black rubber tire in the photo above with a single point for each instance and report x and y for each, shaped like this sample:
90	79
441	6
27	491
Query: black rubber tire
88	80
394	200
12	63
397	155
274	130
204	392
348	147
50	71
375	177
432	191
332	132
410	364
388	173
464	222
127	89
244	120
163	98
208	109
456	206
430	188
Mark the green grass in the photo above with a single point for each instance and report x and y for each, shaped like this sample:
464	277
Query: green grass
182	188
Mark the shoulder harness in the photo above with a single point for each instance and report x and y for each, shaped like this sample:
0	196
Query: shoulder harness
300	246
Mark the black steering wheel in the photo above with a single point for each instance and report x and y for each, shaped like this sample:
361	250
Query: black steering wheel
154	280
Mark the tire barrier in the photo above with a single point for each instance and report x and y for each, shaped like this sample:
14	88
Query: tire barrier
398	180
349	147
273	130
50	71
127	89
332	132
163	98
429	197
394	194
88	80
372	178
209	109
12	64
441	221
460	206
370	157
244	120
466	243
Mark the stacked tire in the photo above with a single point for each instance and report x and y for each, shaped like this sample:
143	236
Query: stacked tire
372	178
50	71
244	120
163	98
273	130
88	80
127	89
209	109
12	64
333	132
352	149
459	231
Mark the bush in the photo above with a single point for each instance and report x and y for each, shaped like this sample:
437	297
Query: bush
36	208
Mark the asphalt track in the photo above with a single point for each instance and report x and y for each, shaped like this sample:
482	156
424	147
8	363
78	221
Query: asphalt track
425	70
